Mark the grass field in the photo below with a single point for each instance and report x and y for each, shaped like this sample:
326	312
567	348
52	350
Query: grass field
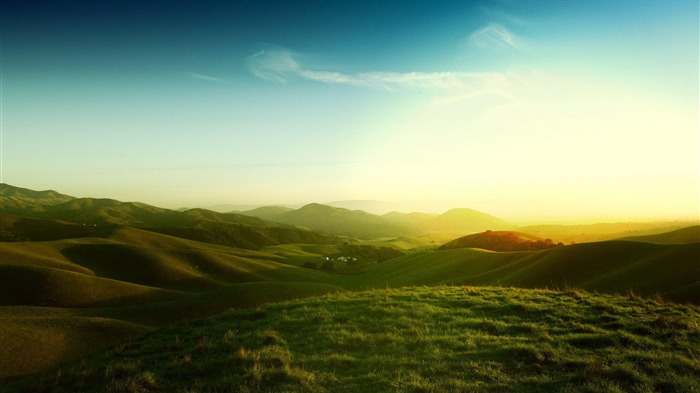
63	299
421	339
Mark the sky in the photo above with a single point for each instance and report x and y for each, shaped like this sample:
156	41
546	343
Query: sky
533	111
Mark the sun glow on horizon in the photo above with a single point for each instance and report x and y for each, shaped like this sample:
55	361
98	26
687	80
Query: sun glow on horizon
525	111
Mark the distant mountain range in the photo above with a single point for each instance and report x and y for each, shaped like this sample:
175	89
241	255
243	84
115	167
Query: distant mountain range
361	224
26	215
271	224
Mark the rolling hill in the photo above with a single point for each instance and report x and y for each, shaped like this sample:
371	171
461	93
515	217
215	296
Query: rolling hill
62	278
415	219
37	219
670	271
360	224
680	236
129	281
17	228
17	199
335	220
583	233
501	241
425	339
269	213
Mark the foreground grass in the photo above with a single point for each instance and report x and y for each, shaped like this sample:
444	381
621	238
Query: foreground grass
426	339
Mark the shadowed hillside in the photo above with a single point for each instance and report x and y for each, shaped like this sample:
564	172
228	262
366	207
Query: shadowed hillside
128	277
16	228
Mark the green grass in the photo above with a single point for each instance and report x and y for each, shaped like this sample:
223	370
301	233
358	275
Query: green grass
670	271
32	342
423	339
132	276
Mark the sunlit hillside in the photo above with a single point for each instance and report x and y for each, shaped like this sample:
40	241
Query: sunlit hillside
84	287
477	339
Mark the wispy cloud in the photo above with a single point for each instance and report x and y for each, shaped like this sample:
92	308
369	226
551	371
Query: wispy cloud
207	78
500	15
494	37
280	65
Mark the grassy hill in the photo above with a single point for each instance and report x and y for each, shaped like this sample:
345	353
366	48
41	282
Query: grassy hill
427	339
75	279
138	277
37	219
269	213
680	236
670	271
583	233
124	278
17	228
500	241
17	199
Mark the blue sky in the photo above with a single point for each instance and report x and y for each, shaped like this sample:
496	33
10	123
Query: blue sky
521	109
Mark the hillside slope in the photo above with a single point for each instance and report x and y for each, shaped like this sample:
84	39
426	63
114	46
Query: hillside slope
16	199
79	217
125	282
680	236
501	241
17	228
269	213
414	339
646	269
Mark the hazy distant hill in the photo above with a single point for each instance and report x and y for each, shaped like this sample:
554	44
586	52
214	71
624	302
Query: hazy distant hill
581	233
501	241
374	207
16	199
335	220
415	219
464	220
361	224
270	213
680	236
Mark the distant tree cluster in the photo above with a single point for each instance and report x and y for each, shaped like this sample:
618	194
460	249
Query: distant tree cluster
500	241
